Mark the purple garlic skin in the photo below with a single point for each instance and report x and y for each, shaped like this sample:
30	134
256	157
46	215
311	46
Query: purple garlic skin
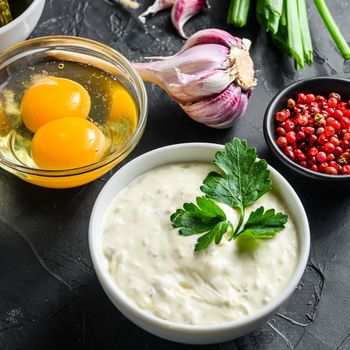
212	36
221	110
183	10
211	77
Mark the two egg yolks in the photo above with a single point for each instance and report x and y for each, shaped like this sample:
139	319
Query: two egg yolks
56	111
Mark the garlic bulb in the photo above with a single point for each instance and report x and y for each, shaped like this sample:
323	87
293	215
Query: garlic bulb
211	77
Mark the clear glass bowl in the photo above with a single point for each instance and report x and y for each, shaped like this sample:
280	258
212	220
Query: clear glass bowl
87	52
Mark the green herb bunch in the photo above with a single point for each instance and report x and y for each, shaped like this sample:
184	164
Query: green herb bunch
241	181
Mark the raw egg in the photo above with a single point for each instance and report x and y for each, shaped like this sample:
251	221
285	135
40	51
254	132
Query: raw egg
123	106
51	98
68	143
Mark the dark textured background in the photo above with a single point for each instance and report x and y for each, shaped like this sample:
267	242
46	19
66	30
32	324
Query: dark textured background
49	295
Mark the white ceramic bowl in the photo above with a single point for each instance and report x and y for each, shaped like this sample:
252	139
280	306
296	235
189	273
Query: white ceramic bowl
22	26
184	333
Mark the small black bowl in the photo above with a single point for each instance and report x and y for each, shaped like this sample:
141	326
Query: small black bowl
317	86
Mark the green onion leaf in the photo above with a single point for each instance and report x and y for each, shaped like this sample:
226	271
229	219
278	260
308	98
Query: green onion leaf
305	32
284	15
274	9
294	35
280	40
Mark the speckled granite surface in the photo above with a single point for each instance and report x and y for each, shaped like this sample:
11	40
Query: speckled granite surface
49	295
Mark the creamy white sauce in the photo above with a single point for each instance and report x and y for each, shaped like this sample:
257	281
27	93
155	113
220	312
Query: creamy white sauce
158	269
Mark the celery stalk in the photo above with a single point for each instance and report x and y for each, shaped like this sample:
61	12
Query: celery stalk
238	12
294	35
305	32
333	29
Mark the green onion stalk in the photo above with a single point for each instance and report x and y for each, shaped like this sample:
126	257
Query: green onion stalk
287	21
274	12
333	29
294	33
238	12
305	32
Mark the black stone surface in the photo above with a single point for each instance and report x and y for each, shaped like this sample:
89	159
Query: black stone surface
49	295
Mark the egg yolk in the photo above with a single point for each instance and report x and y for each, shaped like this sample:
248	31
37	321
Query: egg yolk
68	143
123	106
51	98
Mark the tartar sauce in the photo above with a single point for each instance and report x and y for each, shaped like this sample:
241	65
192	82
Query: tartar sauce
160	272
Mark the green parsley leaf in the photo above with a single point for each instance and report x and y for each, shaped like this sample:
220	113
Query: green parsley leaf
198	218
216	234
206	216
244	179
264	224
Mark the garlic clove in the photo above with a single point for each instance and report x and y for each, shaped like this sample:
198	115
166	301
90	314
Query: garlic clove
157	6
213	36
192	88
219	111
193	61
183	10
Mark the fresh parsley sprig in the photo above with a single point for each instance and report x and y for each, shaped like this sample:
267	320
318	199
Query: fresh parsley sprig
242	180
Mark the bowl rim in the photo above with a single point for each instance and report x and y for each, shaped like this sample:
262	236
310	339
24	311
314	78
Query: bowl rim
70	41
32	7
271	140
107	282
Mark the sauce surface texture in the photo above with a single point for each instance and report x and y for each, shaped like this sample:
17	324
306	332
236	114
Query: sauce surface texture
159	271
